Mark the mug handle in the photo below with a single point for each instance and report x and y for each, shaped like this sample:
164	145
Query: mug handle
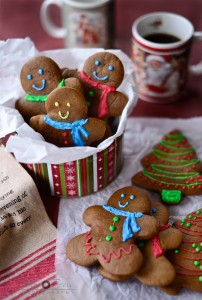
49	26
196	69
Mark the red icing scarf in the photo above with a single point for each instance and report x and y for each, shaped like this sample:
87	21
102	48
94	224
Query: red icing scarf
156	245
103	105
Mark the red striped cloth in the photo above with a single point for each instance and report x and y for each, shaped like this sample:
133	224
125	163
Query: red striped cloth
27	237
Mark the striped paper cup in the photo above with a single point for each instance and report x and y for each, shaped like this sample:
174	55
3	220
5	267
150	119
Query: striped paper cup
80	177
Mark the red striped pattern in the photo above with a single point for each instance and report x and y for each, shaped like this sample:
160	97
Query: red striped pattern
24	282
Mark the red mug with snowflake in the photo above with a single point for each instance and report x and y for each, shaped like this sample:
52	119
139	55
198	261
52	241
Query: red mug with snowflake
161	44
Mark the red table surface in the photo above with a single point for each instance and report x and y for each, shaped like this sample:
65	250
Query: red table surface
20	18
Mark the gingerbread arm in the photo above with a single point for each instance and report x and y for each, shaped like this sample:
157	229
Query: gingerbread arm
116	103
149	227
93	215
170	238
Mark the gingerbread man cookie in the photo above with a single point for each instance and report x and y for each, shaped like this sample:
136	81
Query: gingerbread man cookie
39	76
173	169
66	123
115	228
187	258
102	74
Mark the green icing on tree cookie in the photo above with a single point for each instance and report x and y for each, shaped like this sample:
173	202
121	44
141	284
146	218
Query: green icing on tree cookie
171	196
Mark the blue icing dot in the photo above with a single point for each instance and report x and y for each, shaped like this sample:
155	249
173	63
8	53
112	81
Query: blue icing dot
111	68
123	195
97	62
153	210
132	197
40	72
29	76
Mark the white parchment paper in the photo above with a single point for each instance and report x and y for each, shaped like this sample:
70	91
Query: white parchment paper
86	283
29	146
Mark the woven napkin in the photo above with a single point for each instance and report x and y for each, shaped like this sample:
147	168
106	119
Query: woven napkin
27	236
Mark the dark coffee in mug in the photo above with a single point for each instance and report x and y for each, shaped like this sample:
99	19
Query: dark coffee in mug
162	38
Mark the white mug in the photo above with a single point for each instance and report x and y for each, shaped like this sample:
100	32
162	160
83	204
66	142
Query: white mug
161	44
85	23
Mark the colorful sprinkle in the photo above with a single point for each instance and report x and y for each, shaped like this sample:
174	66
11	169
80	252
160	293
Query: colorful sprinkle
91	93
198	212
116	219
176	251
198	249
141	244
196	263
112	228
194	245
108	238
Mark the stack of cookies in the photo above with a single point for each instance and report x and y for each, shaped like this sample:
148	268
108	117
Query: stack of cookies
130	236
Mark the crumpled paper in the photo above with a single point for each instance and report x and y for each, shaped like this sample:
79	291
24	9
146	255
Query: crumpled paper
29	146
85	283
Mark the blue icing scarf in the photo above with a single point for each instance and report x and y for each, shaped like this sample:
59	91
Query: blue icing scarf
76	127
130	225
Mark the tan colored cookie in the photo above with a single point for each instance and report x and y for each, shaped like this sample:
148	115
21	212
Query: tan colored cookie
66	123
39	76
115	228
102	74
172	169
156	269
187	258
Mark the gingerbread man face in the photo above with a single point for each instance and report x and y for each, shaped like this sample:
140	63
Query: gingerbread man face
66	105
130	199
105	68
40	75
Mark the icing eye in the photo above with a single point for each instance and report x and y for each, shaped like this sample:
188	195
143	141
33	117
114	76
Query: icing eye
111	68
56	104
97	62
153	210
29	77
123	195
132	197
68	104
40	72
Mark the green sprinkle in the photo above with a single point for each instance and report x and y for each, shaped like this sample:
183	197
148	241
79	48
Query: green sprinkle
201	244
196	263
112	228
190	216
91	93
195	218
183	221
188	224
108	238
200	278
176	251
116	219
194	245
198	212
182	224
198	249
141	244
200	267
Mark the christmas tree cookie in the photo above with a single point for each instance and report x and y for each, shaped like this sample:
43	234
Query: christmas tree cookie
187	258
172	168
